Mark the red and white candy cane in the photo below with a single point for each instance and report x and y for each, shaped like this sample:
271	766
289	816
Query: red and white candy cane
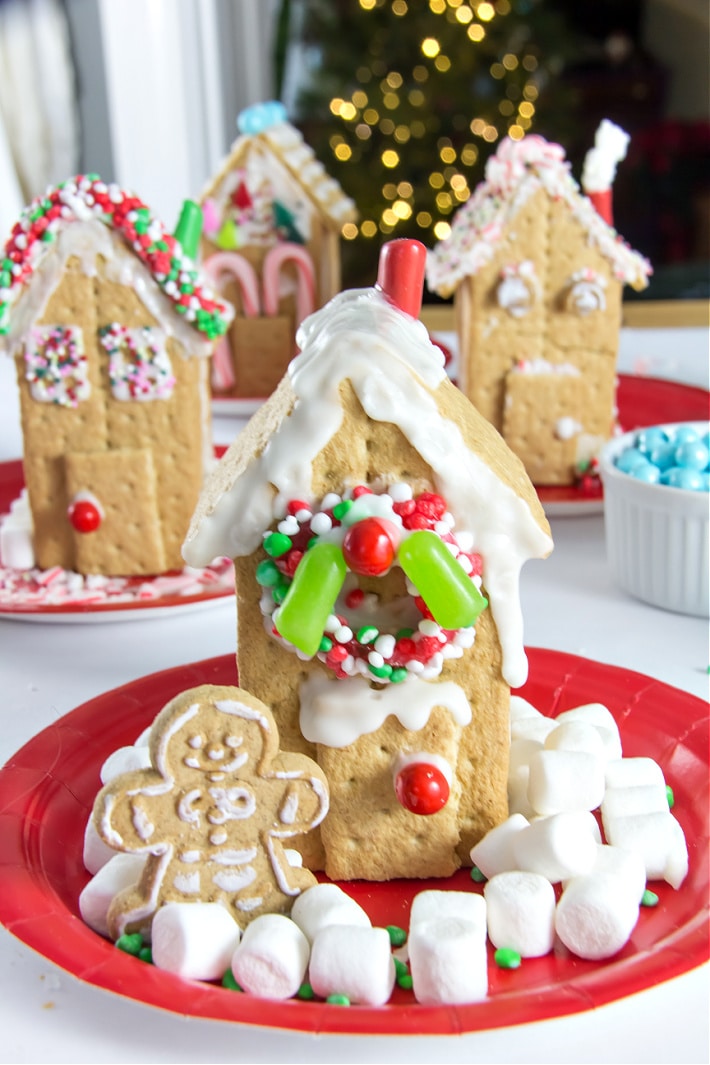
223	265
271	279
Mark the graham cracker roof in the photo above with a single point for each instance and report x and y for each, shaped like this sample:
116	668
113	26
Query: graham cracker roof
88	198
285	142
516	171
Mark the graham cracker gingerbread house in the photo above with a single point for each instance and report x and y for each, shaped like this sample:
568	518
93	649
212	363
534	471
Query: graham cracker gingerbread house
537	272
378	526
111	326
272	230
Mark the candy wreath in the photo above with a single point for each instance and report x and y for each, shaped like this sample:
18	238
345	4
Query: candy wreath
311	603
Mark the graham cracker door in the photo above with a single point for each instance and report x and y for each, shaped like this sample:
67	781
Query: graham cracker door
543	416
122	486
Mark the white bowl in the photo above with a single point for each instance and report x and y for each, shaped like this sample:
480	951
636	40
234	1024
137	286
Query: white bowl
656	536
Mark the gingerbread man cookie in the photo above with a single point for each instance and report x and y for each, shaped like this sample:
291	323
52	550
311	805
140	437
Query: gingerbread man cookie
212	811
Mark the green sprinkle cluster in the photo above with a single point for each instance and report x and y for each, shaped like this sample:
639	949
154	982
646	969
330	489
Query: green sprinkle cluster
133	943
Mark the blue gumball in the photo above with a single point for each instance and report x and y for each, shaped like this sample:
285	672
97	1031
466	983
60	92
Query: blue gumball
647	472
629	459
685	434
680	477
692	455
648	439
663	456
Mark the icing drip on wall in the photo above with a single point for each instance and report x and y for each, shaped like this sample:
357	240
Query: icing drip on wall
336	713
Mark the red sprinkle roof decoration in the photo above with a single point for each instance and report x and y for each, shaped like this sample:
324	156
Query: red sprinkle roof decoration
85	197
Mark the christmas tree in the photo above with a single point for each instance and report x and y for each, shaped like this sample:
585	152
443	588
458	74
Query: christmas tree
404	100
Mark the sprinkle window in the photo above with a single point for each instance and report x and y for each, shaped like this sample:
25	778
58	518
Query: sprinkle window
139	365
56	365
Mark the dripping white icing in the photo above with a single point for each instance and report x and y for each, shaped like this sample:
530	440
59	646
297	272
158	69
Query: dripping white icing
336	713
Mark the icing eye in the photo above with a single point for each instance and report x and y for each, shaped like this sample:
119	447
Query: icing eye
586	293
195	742
518	288
233	741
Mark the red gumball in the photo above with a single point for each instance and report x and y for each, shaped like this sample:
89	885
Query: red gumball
421	788
84	516
368	547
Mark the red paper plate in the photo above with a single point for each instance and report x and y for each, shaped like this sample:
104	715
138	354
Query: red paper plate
641	401
47	790
131	598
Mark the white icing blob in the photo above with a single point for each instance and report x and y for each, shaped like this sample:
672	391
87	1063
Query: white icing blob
337	712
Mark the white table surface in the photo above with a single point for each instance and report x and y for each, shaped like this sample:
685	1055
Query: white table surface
570	604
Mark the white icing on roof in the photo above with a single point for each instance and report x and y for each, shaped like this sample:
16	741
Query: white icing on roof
516	172
388	358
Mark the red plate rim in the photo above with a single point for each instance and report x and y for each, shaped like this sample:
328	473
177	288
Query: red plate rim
47	787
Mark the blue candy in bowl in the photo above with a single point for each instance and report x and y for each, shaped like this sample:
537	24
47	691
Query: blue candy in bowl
656	506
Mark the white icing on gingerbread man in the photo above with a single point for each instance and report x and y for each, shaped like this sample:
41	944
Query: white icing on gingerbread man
211	811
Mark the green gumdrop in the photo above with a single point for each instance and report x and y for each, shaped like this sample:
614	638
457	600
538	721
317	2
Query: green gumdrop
398	936
507	958
453	599
311	597
229	982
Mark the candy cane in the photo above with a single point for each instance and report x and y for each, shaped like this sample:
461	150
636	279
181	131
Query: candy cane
305	293
217	267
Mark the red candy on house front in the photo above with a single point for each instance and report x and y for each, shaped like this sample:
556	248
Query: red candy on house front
84	516
421	788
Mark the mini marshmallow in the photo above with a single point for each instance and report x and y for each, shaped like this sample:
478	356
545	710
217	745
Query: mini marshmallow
121	871
195	940
633	772
354	961
433	905
595	916
626	865
272	957
520	911
576	736
521	751
96	852
564	781
657	838
557	847
323	905
448	960
639	799
494	853
520	708
532	728
601	718
124	760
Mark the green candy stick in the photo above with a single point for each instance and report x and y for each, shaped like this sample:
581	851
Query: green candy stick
453	599
311	597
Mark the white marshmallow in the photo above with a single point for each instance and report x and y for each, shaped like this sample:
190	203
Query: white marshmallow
624	864
195	940
124	760
521	708
448	960
144	737
520	910
657	838
601	717
272	957
639	799
323	905
557	847
633	772
576	736
121	871
595	916
532	728
518	802
563	781
521	751
433	905
494	853
354	961
96	852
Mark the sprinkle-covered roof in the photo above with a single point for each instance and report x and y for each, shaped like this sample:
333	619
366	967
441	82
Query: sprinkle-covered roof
516	171
87	197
